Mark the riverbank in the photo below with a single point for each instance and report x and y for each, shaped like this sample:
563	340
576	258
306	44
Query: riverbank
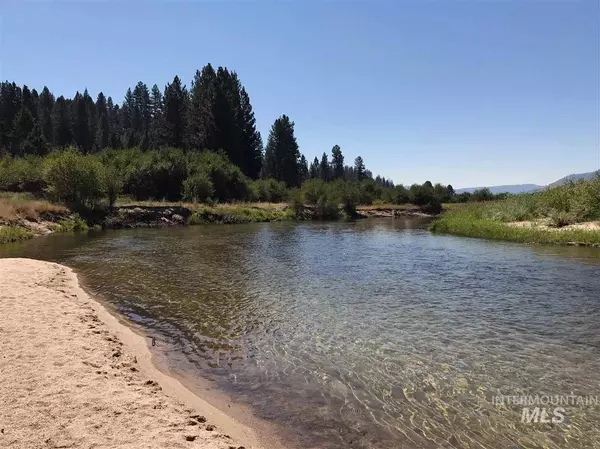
73	376
566	215
22	217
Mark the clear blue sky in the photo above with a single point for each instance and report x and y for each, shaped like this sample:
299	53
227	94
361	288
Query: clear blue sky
470	92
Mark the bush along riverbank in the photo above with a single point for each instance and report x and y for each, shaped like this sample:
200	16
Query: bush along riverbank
568	215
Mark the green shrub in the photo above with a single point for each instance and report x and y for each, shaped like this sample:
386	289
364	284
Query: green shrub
229	183
74	179
325	209
269	190
421	194
21	174
296	205
198	188
368	191
113	184
157	174
313	189
400	195
483	194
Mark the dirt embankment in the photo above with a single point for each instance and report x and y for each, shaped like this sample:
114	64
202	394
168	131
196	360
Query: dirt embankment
545	226
397	211
146	217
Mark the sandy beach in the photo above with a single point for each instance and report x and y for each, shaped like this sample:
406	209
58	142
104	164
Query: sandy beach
73	376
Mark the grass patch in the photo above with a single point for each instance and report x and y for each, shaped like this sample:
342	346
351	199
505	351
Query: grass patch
558	207
73	223
14	234
385	206
237	214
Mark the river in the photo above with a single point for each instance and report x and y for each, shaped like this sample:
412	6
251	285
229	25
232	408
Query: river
374	334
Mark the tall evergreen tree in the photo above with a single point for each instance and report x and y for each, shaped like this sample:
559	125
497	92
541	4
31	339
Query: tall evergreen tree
324	168
114	124
62	126
175	102
202	126
128	135
313	172
103	127
303	168
252	146
282	156
35	101
29	102
226	111
22	128
157	131
10	105
141	115
45	106
337	163
359	169
349	173
83	121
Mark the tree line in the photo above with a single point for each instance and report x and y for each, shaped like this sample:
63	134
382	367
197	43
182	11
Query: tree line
215	113
153	144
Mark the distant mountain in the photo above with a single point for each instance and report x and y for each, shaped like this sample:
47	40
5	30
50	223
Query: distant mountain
524	188
517	188
575	177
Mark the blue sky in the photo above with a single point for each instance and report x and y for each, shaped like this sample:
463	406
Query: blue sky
463	92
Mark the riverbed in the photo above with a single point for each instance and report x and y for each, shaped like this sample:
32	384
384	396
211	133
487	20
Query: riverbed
374	334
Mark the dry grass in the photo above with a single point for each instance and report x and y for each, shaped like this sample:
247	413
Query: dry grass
194	206
386	207
20	206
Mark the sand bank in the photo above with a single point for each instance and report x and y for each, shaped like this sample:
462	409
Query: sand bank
72	376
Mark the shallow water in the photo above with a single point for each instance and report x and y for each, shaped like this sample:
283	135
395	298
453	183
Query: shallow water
374	334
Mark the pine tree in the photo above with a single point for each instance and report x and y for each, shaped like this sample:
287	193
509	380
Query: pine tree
337	163
10	105
303	169
324	168
157	131
313	172
226	111
35	101
62	126
252	146
282	156
349	173
45	106
202	126
36	142
128	137
29	102
103	128
83	121
175	102
22	128
141	115
359	169
114	124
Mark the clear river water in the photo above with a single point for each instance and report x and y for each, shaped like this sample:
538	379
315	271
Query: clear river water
375	334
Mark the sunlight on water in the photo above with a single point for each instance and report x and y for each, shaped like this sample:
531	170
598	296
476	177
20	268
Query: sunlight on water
368	335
